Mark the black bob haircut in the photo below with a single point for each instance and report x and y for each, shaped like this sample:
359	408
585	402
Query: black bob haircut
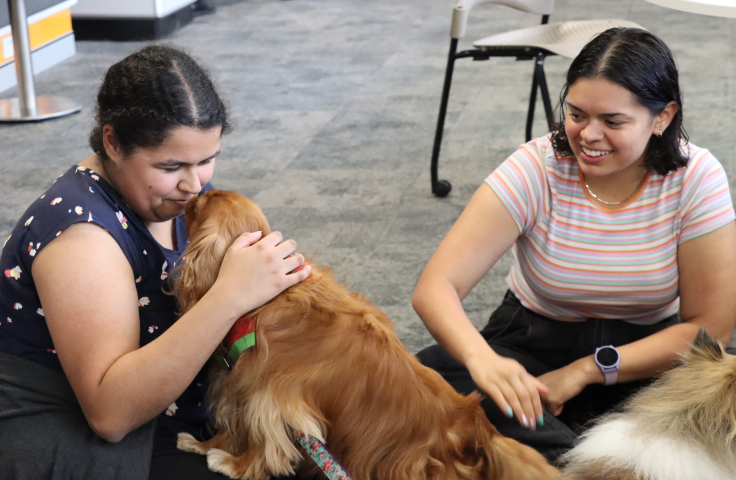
641	63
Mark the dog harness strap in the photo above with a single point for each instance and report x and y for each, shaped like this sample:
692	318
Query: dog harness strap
324	459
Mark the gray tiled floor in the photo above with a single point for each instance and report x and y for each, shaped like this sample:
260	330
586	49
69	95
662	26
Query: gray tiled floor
335	103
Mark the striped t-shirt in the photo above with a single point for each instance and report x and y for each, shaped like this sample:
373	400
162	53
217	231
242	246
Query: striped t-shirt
574	260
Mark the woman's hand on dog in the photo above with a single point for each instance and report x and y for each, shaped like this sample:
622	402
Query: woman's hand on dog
253	273
515	391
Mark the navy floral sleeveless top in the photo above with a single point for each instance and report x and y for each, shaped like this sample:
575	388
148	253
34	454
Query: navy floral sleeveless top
81	195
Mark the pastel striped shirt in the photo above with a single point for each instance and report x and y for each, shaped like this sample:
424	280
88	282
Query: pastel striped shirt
574	260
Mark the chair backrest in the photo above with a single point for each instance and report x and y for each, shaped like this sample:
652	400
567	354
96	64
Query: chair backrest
463	7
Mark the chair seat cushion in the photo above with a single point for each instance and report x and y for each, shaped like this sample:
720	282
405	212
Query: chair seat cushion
563	38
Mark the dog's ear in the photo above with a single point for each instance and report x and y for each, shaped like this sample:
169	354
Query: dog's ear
190	211
706	347
199	268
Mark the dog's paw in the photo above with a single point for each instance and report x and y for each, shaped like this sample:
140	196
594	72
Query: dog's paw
190	444
222	462
244	467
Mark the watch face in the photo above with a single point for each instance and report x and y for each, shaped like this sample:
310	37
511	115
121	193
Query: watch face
607	356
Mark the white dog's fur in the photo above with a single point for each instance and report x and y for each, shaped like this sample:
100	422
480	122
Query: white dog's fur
648	456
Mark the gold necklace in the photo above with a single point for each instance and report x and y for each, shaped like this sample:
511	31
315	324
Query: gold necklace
587	187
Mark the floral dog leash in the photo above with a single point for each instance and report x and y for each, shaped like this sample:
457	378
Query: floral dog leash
241	337
323	457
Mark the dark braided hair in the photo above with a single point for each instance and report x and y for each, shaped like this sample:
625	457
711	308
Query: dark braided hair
641	63
151	92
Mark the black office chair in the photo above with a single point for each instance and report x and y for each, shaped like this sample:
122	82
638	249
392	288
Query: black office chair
533	43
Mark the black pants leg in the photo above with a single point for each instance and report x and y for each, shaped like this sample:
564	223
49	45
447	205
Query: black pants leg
541	344
551	440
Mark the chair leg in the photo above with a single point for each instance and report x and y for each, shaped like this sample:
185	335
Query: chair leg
532	103
533	96
542	81
441	188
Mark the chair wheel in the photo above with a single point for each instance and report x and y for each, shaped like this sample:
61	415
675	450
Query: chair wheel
441	188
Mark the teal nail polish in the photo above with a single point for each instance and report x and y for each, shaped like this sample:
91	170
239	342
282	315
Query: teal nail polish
509	412
541	420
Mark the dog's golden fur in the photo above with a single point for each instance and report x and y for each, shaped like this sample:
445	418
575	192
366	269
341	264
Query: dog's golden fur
682	426
328	363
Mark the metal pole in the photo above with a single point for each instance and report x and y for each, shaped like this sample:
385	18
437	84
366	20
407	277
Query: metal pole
27	107
23	63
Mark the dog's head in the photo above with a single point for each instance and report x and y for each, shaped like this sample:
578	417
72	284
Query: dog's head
225	213
705	349
697	397
712	372
214	220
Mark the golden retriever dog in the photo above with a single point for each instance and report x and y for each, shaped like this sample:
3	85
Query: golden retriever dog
327	363
682	427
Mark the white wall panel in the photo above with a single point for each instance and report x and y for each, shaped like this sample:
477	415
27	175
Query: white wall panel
42	59
165	7
114	8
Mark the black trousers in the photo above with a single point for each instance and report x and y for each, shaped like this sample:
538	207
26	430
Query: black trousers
541	345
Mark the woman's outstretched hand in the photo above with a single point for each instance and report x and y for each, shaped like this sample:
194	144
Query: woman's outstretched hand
516	392
253	273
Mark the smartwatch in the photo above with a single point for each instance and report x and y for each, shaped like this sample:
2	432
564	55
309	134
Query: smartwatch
608	360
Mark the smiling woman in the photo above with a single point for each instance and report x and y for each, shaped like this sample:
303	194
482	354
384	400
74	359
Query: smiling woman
608	131
622	234
630	98
98	374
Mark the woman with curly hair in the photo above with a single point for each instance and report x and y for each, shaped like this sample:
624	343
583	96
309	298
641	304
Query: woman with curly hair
97	373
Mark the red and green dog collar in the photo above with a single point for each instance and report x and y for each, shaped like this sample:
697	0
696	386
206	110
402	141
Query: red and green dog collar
241	337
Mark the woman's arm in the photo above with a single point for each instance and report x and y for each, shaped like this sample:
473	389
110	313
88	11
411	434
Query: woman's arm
86	287
707	269
482	234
